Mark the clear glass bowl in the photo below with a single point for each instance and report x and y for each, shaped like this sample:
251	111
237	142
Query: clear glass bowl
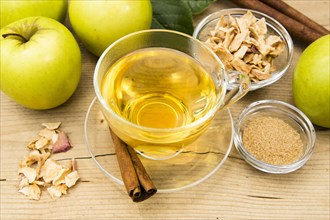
282	62
288	113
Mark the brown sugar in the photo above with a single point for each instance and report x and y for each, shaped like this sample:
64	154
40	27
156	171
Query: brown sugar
272	140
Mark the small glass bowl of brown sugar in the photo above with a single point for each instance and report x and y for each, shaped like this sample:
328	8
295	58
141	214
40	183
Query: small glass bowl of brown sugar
248	41
274	136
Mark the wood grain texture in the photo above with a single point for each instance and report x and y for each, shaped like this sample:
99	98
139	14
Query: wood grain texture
236	191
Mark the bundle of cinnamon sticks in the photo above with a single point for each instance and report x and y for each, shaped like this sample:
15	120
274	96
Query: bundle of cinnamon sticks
297	24
138	183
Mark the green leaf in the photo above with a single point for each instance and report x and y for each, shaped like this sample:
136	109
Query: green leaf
173	15
197	6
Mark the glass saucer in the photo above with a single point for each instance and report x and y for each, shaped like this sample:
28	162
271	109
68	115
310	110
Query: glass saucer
197	162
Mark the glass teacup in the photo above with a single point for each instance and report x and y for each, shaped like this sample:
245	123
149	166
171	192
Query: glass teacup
160	89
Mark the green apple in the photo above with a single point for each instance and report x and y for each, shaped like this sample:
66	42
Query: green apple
100	23
311	82
40	62
13	10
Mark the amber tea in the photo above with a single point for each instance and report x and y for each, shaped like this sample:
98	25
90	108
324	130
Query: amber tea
158	88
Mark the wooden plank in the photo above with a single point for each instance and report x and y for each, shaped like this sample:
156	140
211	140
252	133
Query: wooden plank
236	191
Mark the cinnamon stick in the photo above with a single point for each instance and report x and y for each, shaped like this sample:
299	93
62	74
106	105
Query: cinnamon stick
295	14
138	183
147	186
295	28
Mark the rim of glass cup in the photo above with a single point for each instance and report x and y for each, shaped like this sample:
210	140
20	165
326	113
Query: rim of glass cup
209	114
300	118
120	182
278	27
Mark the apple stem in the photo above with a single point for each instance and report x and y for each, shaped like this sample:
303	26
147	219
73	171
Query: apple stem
14	34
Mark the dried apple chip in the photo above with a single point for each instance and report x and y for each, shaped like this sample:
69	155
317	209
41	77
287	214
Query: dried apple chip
242	44
39	183
38	170
46	133
60	178
31	144
54	192
50	170
62	188
31	191
29	173
42	142
23	183
71	178
62	143
52	126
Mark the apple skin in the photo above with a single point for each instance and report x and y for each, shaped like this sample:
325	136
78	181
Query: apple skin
13	10
311	82
43	72
100	23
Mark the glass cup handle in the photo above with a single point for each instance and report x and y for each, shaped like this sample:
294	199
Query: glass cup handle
239	84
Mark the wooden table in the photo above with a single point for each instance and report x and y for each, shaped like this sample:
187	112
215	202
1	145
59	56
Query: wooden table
235	191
